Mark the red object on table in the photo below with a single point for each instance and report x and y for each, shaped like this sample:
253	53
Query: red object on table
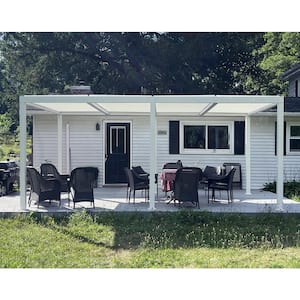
167	176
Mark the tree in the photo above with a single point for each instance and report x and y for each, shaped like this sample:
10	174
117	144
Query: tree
124	62
5	125
279	52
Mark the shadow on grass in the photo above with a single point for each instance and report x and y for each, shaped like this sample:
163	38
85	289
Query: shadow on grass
183	229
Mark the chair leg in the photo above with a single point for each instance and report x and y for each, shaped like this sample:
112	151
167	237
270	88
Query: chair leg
129	195
208	195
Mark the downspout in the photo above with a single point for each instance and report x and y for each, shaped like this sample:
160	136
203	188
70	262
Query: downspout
153	155
59	143
248	153
68	147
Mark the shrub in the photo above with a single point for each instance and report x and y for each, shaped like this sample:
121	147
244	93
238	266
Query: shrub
291	188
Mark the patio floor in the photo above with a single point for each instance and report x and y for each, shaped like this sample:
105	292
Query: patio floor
114	199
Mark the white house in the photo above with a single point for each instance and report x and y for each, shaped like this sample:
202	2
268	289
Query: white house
113	131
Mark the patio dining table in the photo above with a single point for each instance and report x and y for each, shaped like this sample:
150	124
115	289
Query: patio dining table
167	177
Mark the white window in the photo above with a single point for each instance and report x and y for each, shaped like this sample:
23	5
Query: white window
293	138
206	138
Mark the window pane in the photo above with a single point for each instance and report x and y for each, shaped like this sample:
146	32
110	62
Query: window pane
294	145
218	137
295	130
194	137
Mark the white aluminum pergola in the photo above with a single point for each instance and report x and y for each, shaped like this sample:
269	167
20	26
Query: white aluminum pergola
153	106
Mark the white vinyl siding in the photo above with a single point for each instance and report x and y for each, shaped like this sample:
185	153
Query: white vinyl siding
85	142
87	145
263	158
44	140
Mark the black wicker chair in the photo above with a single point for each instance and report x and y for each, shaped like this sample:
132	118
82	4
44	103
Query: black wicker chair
186	185
222	183
209	171
173	165
42	189
82	182
140	171
50	171
135	183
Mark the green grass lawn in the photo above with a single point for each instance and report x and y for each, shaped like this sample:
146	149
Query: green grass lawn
182	239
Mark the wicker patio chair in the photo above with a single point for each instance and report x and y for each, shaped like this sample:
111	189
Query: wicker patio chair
42	189
173	165
135	183
82	182
186	185
222	183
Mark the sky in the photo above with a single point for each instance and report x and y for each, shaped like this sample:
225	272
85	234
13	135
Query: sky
154	15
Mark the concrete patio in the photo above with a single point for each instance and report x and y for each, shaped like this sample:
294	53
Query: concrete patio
114	199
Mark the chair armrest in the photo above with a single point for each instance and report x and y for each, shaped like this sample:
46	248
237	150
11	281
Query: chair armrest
140	177
217	179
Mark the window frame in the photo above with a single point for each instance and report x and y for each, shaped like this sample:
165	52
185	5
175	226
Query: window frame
228	124
289	138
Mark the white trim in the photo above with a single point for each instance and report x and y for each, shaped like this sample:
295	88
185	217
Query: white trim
288	138
230	126
104	123
153	156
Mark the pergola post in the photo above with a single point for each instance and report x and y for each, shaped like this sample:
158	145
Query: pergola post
22	119
152	154
59	142
248	154
280	137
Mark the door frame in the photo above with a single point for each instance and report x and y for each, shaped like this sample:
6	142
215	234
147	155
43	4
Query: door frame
104	125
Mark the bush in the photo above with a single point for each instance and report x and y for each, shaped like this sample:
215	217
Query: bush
291	188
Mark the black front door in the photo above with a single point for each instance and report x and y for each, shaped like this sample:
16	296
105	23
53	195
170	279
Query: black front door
117	155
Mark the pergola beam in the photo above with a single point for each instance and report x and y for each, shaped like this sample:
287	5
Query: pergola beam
148	99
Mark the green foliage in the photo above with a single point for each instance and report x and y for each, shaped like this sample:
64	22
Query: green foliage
291	189
161	63
10	148
279	52
149	240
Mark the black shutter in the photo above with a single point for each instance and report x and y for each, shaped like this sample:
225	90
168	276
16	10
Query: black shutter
284	138
173	137
239	137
